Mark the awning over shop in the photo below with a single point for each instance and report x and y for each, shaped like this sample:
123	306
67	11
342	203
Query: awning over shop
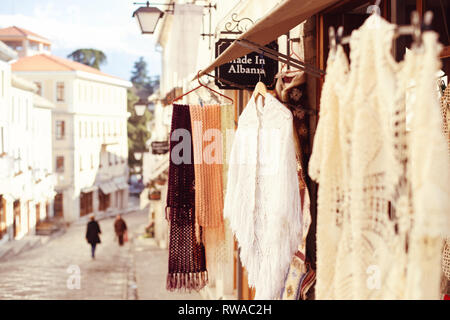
108	187
278	22
89	189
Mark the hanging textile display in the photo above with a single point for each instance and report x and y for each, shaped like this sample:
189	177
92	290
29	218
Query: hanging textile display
299	268
207	143
291	91
445	112
326	166
187	263
225	252
430	175
227	125
383	190
262	201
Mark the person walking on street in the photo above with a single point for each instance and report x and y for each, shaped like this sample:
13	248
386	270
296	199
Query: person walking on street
121	228
92	234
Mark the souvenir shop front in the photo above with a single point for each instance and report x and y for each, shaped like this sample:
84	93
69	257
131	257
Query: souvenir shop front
327	158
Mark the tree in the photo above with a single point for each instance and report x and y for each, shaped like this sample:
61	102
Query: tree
143	83
90	57
138	134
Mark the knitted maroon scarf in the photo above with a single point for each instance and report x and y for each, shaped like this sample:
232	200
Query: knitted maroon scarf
187	264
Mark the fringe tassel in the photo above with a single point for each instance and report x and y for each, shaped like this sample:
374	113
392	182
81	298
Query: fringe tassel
187	281
166	209
198	236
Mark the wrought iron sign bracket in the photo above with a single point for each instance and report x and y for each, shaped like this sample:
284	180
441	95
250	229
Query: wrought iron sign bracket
210	34
237	26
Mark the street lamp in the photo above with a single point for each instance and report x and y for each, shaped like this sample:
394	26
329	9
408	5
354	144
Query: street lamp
138	156
147	18
140	107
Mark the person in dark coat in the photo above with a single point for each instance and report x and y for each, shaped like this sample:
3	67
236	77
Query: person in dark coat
92	234
120	227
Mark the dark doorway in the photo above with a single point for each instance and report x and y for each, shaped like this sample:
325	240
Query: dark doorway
58	206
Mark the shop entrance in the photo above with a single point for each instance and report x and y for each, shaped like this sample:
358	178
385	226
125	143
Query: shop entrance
3	229
85	203
104	200
17	219
38	213
58	210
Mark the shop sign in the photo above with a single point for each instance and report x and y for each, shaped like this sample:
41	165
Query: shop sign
160	147
247	70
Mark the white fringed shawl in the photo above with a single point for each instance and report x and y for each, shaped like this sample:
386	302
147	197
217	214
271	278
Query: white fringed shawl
262	201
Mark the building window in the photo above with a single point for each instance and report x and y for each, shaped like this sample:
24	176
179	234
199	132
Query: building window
15	45
39	86
34	45
85	129
60	91
46	47
2	141
59	164
60	130
92	129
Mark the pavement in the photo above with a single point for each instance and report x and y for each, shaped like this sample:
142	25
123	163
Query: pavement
61	267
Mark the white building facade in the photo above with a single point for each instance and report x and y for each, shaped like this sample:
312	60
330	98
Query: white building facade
90	146
26	179
89	153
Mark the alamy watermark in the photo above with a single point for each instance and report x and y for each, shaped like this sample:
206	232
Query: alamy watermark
74	280
373	281
262	147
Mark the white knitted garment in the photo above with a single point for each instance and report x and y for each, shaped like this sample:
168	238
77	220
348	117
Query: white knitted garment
326	166
262	201
430	176
383	192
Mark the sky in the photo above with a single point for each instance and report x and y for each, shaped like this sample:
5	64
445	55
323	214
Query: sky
106	25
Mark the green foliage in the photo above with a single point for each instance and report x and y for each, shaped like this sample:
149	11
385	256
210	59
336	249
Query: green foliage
143	83
90	57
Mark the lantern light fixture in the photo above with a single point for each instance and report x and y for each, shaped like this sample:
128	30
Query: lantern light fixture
147	17
140	107
138	156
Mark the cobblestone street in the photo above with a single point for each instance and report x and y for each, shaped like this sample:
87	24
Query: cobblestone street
43	272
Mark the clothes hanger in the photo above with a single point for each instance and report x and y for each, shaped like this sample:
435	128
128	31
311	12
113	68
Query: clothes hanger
201	85
260	87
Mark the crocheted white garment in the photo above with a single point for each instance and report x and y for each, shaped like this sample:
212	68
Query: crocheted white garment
262	201
383	192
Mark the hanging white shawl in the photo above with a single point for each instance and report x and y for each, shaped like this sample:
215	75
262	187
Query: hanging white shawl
262	201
